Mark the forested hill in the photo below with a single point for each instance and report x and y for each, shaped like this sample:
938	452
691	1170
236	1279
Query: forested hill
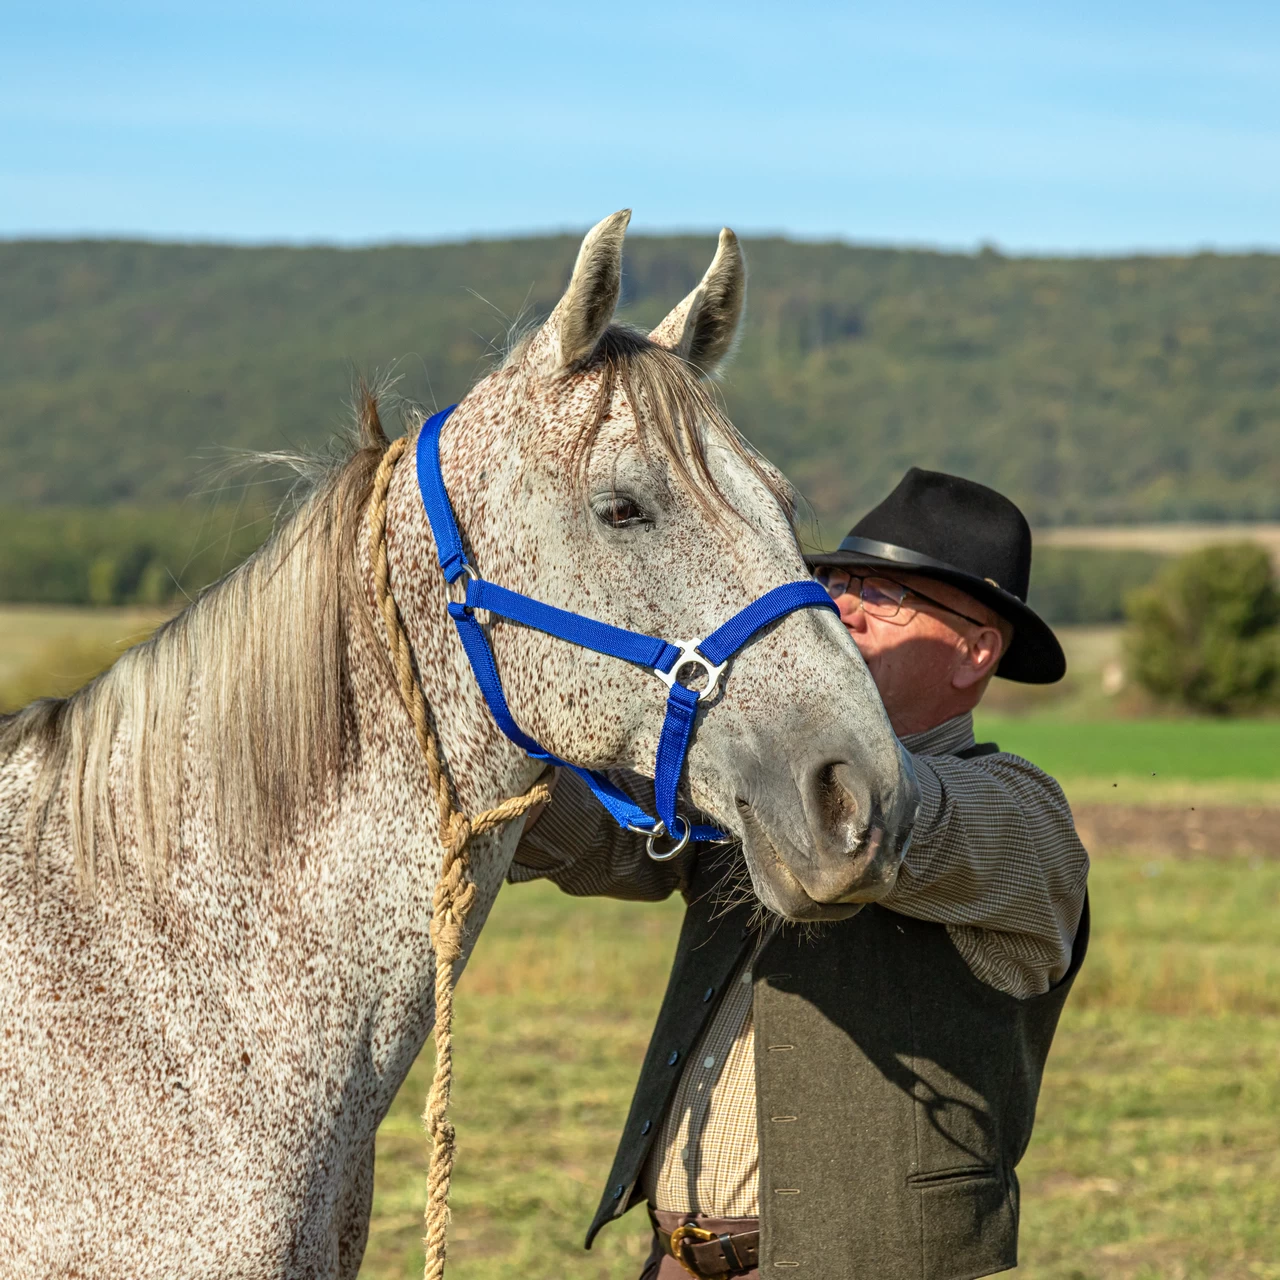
1089	390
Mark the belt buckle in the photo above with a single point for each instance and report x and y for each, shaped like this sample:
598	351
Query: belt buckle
689	1232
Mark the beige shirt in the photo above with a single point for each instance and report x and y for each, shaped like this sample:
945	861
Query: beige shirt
994	856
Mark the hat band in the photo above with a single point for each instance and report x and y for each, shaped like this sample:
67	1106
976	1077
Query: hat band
899	555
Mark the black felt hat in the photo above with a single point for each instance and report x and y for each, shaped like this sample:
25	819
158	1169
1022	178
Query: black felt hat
963	533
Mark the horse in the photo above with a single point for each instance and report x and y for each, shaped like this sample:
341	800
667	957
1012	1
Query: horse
217	860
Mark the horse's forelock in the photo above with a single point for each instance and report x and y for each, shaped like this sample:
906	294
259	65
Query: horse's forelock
677	410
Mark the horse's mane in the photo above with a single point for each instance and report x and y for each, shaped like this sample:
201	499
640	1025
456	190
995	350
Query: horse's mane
255	665
254	670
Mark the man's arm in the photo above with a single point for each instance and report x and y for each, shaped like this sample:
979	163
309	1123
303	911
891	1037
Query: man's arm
995	857
578	846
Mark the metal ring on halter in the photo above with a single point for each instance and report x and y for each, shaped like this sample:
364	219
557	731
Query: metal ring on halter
658	832
689	656
466	572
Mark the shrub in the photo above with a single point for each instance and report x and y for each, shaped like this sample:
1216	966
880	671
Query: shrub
1206	633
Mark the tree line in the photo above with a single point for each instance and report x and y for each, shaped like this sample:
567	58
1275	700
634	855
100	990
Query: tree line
155	556
163	555
1088	390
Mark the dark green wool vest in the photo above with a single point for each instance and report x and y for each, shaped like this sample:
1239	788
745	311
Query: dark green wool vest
895	1092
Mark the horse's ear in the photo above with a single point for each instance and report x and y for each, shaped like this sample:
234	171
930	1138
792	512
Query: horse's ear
578	323
703	327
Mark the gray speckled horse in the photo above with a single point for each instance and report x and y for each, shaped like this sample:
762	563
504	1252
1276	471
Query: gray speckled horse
217	860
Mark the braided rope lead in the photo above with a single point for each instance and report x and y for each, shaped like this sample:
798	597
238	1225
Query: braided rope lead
455	891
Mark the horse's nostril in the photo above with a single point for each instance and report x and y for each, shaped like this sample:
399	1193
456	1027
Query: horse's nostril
837	802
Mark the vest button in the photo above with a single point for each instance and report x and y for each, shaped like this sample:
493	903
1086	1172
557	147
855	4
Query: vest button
673	1057
617	1191
707	994
644	1128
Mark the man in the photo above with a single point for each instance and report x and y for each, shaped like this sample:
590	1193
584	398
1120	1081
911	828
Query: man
850	1101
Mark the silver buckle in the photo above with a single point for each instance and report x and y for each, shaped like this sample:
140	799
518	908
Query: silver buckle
656	833
689	656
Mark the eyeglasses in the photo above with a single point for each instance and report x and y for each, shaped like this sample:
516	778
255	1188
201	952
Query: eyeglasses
881	597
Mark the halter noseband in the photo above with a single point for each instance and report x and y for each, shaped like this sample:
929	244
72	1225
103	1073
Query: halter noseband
665	659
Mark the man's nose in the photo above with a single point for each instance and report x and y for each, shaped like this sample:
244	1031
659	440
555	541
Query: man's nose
851	612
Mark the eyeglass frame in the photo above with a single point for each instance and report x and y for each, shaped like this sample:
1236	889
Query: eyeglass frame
861	578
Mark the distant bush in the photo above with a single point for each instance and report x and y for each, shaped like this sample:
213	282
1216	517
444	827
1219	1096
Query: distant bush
1076	585
121	555
1206	633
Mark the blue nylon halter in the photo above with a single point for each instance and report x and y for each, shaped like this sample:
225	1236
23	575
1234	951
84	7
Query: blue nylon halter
665	659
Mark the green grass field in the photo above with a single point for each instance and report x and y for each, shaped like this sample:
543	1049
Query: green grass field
1194	750
1156	1155
50	649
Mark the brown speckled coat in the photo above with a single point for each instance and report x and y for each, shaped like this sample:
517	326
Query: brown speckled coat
193	1067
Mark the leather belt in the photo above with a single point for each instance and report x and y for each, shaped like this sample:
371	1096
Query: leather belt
704	1253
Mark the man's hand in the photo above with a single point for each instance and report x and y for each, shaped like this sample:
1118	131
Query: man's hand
536	812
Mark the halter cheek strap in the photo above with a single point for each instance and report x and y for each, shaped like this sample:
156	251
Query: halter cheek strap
665	659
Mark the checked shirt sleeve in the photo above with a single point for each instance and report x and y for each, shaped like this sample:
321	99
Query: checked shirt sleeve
995	857
577	846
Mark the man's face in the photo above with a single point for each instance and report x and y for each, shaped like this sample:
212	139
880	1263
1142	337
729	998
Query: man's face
928	653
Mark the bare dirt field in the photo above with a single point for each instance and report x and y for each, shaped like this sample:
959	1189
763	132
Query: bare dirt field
1181	831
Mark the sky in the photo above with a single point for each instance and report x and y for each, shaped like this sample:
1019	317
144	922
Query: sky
1060	128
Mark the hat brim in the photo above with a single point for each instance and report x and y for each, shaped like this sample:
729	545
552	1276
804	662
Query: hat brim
1034	655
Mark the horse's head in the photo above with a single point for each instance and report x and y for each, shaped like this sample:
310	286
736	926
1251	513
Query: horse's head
595	471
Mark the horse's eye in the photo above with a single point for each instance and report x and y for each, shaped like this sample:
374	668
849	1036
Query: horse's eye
620	512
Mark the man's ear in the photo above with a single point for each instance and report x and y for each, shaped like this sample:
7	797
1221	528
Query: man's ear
980	657
580	318
702	329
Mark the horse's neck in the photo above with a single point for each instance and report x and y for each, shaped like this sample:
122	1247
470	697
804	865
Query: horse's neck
379	858
354	893
483	766
379	841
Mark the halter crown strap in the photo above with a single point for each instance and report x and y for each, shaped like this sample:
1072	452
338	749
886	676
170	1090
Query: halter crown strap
661	656
435	498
